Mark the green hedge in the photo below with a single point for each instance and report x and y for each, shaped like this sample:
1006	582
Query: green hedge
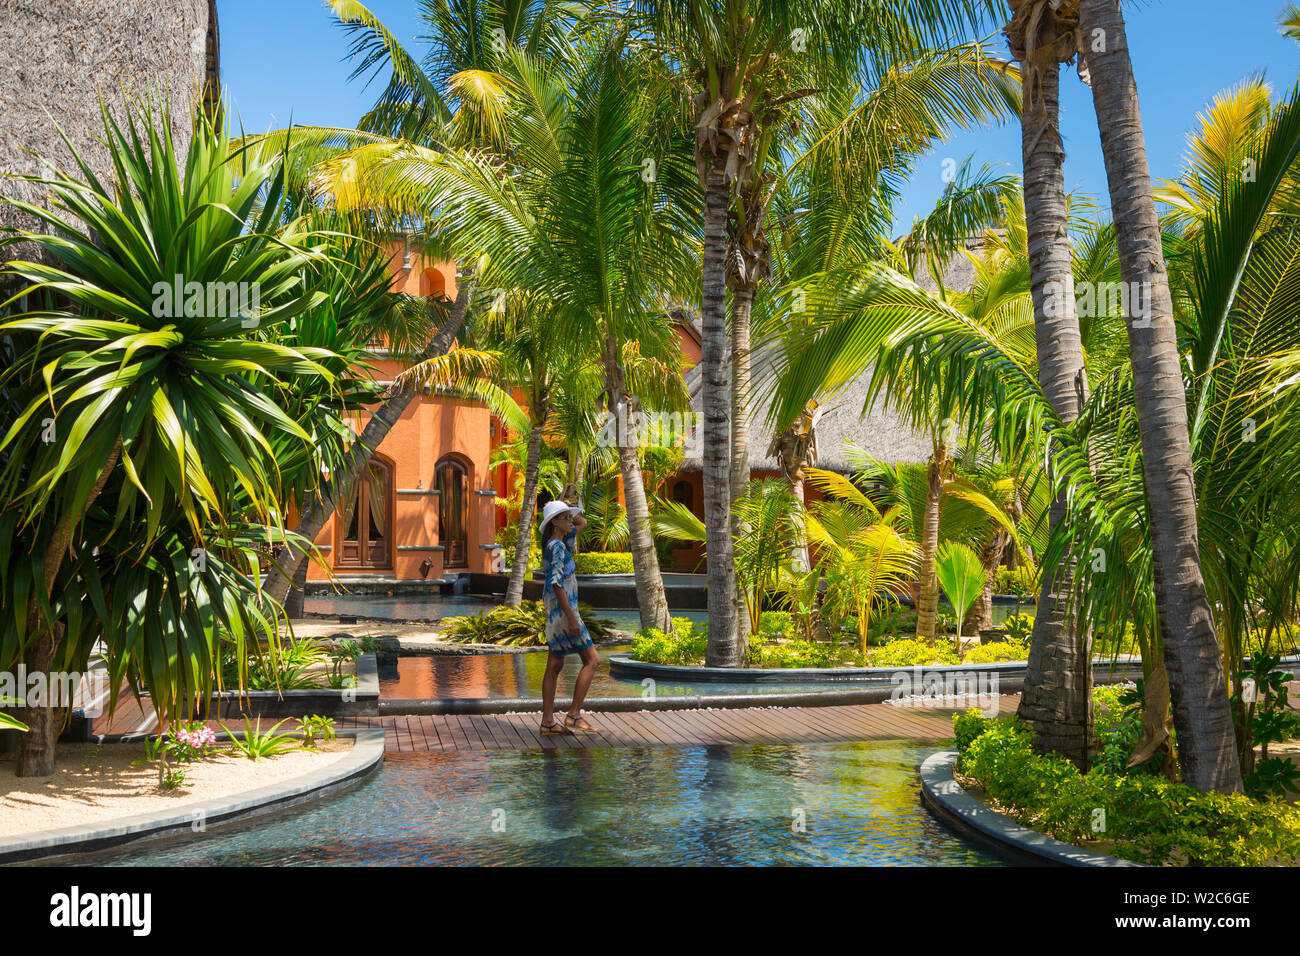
603	562
1141	817
1022	580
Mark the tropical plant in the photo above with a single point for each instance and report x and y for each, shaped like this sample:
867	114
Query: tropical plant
8	721
961	574
523	626
766	510
256	744
1208	755
136	465
313	726
867	562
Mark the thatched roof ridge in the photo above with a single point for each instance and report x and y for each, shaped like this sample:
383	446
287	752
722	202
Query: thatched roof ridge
881	431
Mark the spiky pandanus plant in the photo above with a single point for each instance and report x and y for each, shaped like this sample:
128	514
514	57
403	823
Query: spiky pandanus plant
138	440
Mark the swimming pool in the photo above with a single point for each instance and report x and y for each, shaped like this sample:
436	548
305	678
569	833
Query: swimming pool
794	804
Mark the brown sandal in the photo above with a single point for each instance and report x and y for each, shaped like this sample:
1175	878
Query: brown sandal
571	727
554	728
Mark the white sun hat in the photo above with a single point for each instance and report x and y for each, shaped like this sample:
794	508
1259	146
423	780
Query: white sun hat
554	509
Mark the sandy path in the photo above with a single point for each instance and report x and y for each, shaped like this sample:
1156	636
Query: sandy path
99	782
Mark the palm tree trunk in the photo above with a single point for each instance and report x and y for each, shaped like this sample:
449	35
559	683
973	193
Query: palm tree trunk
725	648
1206	743
293	605
927	598
318	508
742	301
36	746
515	589
1057	696
652	600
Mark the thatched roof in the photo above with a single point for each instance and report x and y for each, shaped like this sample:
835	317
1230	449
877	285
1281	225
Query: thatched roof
62	54
882	432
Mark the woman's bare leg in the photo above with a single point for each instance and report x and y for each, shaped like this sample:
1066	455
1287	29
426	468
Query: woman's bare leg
582	683
554	664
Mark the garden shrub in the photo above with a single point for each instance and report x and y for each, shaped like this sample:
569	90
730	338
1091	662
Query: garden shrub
909	652
523	626
1019	626
1142	817
686	648
793	653
1008	650
1109	642
1022	581
603	562
776	624
966	727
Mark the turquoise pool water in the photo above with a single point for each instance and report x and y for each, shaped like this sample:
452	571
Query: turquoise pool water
795	804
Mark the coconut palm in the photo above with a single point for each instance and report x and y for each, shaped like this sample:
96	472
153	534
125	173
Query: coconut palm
448	100
1058	687
742	66
1201	715
866	560
569	219
1233	270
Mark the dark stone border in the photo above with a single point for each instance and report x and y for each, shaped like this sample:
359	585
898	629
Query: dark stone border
621	665
951	805
328	702
366	755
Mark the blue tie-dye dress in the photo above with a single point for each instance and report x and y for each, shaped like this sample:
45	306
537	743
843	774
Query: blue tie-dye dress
558	568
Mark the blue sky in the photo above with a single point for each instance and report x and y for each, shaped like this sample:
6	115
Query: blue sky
287	58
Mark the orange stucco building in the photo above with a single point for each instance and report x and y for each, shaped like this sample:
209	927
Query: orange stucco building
426	507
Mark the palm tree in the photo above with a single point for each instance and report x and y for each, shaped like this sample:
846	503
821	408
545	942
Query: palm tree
740	63
1057	695
517	348
449	105
567	219
1207	746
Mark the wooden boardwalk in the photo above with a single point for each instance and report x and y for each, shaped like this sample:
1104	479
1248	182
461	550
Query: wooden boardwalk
758	725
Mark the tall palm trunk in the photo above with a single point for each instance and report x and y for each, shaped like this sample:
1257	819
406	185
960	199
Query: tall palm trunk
1057	696
795	449
318	509
36	747
652	600
1206	744
725	648
532	469
742	301
927	597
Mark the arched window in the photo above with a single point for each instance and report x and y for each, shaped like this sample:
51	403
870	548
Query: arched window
684	494
365	521
452	481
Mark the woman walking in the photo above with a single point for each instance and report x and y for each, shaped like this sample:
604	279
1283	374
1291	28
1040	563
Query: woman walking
565	632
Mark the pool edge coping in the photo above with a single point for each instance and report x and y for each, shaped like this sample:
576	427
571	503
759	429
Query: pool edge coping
364	758
950	803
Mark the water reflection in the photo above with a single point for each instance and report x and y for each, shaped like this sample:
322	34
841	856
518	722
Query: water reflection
716	805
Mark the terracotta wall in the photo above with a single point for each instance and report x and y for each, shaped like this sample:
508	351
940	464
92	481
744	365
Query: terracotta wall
432	428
